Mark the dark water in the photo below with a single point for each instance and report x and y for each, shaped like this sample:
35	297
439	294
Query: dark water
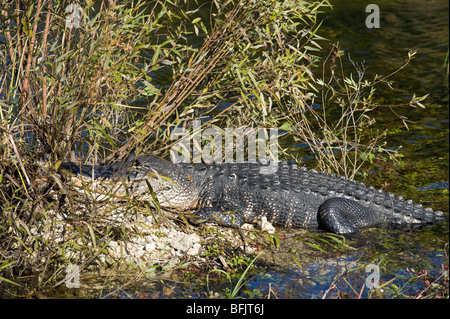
405	25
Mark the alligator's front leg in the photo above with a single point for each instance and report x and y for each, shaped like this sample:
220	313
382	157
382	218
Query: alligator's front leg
221	217
345	216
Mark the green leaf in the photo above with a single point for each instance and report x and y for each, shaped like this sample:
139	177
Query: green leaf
286	127
8	281
91	232
156	55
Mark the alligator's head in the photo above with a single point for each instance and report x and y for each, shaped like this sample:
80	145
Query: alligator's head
173	190
172	184
138	177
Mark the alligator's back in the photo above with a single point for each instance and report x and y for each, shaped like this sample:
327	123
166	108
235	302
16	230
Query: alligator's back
291	197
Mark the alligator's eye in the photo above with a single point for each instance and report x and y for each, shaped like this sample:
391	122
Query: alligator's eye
167	188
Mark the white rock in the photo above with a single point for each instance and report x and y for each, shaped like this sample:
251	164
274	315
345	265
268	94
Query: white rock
150	246
266	226
194	250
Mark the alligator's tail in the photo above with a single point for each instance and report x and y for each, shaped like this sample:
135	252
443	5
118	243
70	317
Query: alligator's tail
400	213
394	211
404	214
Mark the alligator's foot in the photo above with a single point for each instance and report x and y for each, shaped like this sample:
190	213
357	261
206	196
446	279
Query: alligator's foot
214	215
344	216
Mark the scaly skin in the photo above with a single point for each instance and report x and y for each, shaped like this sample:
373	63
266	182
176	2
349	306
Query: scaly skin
291	197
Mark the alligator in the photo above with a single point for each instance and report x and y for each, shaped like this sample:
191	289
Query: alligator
232	194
